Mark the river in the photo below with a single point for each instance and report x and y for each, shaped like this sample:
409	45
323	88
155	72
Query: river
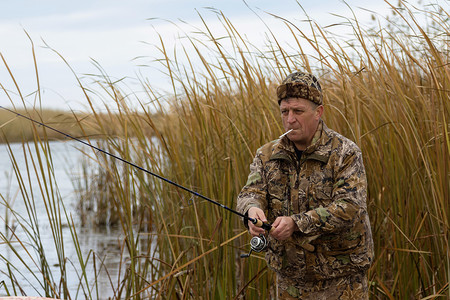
105	243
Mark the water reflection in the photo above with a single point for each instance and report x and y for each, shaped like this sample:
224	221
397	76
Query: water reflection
105	243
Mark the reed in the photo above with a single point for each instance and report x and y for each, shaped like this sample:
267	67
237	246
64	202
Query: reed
23	235
386	88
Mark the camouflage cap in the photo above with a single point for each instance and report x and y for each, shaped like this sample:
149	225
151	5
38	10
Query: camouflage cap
300	85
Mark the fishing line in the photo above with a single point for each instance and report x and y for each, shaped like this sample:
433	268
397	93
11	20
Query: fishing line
256	222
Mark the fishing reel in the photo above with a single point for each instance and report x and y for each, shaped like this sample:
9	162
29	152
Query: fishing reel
257	244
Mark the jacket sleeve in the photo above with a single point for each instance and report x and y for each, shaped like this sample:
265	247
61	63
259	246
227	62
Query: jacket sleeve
253	194
348	200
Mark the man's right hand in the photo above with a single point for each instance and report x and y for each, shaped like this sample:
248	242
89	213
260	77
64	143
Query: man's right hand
256	213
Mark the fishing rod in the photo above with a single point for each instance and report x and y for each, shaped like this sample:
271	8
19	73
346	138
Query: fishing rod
256	222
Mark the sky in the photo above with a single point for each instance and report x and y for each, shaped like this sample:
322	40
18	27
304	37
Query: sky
118	36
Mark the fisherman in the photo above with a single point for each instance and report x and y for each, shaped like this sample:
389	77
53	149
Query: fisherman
311	184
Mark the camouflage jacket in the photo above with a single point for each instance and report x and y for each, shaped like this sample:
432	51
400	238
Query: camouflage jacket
325	194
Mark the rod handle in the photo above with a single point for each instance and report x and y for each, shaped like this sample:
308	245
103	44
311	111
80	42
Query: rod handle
259	223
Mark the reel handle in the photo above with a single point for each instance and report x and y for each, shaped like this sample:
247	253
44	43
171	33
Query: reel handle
248	254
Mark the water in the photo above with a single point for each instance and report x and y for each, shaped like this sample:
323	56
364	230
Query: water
106	243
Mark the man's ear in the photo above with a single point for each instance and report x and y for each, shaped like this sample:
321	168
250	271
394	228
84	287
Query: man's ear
319	111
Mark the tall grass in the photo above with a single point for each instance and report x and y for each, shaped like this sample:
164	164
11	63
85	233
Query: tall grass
28	261
386	88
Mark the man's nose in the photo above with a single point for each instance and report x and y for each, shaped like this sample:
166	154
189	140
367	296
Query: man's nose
291	117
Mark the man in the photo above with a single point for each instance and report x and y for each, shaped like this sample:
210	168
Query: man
311	183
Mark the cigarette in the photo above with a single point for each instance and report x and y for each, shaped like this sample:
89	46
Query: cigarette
286	133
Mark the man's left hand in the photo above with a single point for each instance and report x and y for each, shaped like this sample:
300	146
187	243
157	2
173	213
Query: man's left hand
283	227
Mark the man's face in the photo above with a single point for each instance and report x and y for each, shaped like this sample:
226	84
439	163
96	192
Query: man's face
303	117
